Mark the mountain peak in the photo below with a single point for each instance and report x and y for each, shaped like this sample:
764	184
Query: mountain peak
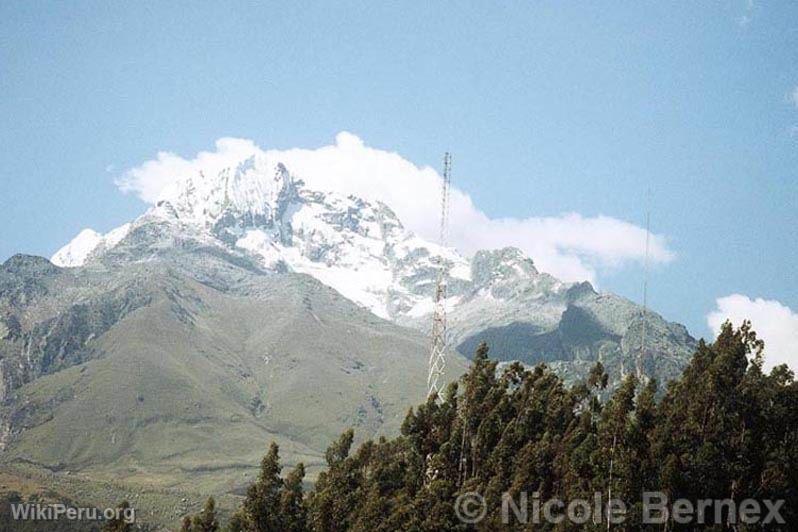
254	206
88	242
254	188
503	264
253	214
21	263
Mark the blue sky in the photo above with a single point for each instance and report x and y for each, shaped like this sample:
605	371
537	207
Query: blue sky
548	107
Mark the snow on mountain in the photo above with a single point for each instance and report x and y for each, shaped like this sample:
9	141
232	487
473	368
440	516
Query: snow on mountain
360	248
257	214
76	252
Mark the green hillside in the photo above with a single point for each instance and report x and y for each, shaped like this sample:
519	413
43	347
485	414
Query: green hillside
185	390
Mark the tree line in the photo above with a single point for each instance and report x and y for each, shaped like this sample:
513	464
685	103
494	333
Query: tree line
725	430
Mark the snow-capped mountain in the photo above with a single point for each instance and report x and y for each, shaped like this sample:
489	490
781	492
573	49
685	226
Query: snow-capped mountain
246	305
359	248
86	243
259	211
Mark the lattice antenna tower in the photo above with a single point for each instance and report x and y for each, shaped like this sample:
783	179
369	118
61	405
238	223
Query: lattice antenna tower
437	354
643	334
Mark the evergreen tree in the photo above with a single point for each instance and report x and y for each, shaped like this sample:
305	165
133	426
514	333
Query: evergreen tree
292	503
335	496
206	520
724	429
238	522
261	507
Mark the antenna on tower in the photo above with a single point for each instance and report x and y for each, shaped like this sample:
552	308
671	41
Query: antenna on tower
437	355
641	354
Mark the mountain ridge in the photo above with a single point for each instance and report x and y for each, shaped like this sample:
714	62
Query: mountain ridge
146	371
298	312
258	211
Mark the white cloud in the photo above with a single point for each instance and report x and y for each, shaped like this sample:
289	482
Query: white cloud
773	322
151	178
793	97
570	246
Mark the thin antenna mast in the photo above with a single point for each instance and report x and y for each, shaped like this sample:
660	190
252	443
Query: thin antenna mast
640	356
437	355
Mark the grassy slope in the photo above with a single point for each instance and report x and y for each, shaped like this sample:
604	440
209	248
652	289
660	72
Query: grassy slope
192	387
157	508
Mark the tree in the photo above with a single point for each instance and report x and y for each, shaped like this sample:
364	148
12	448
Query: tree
206	520
724	429
292	503
261	507
337	489
238	522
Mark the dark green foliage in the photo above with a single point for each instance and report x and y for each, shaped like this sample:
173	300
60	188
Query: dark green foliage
205	521
272	504
292	504
261	511
724	430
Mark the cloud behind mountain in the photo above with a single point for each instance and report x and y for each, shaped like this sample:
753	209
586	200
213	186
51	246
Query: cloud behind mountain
569	246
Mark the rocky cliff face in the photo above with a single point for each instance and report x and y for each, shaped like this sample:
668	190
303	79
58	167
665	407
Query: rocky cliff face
48	320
